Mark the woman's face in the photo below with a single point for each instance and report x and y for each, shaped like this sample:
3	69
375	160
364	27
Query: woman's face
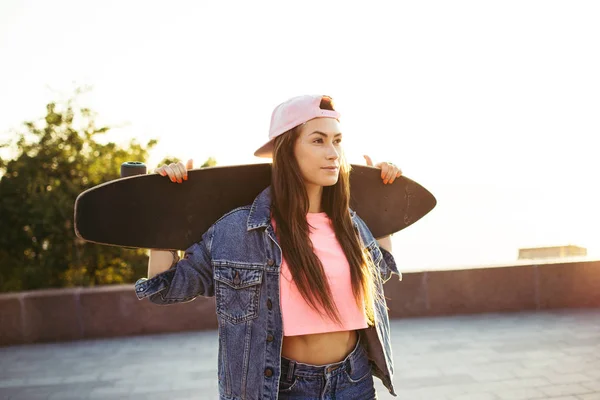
318	150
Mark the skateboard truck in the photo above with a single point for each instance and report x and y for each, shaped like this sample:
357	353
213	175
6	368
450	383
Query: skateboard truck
131	168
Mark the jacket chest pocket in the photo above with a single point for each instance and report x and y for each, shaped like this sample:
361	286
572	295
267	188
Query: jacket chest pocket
237	292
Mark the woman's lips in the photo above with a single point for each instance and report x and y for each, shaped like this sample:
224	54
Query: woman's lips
331	169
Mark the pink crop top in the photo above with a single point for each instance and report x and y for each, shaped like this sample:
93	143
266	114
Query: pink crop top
298	317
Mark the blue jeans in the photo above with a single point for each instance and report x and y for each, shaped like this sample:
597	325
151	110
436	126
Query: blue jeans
349	379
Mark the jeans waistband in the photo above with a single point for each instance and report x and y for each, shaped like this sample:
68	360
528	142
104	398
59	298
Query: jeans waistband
291	368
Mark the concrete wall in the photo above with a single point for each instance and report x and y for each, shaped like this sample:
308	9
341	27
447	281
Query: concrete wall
111	311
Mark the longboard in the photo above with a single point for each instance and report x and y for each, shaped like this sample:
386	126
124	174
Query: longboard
150	211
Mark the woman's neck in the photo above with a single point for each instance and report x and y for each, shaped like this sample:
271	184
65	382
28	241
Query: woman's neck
315	194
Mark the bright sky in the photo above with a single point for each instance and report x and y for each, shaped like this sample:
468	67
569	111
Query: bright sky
492	106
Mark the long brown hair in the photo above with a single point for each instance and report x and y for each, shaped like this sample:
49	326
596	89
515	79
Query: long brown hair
290	206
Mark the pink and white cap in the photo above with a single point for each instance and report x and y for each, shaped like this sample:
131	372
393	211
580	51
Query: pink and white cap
290	114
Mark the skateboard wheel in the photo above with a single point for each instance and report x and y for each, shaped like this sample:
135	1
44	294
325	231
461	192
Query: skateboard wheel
131	168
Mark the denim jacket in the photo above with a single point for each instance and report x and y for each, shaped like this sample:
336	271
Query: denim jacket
238	260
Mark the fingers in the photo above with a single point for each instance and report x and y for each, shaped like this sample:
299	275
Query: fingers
384	170
161	170
369	161
395	173
177	172
390	173
190	164
180	171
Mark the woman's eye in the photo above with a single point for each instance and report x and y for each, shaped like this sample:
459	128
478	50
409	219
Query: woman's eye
320	140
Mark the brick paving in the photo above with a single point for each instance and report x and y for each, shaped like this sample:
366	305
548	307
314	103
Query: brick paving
514	356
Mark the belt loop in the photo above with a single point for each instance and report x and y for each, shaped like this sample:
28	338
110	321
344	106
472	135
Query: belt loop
290	371
350	365
354	355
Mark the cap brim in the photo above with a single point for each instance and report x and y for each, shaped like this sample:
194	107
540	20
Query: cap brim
266	151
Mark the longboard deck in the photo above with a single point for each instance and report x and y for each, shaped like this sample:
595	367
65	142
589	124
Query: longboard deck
150	211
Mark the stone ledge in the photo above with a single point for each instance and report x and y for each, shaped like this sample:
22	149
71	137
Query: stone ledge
111	311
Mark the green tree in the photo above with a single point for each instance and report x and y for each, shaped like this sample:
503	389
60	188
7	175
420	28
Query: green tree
210	162
56	159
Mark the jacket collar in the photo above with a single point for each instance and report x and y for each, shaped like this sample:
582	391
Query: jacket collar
260	211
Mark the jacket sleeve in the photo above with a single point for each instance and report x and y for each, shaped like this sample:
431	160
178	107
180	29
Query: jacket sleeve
191	277
388	266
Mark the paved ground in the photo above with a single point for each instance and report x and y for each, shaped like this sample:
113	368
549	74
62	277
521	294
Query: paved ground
492	356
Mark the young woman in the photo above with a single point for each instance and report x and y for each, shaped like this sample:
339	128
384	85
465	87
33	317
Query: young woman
297	275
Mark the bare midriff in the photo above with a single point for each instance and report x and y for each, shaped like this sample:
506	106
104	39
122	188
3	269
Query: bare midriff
319	348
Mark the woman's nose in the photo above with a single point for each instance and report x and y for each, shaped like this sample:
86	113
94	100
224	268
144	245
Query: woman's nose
332	153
